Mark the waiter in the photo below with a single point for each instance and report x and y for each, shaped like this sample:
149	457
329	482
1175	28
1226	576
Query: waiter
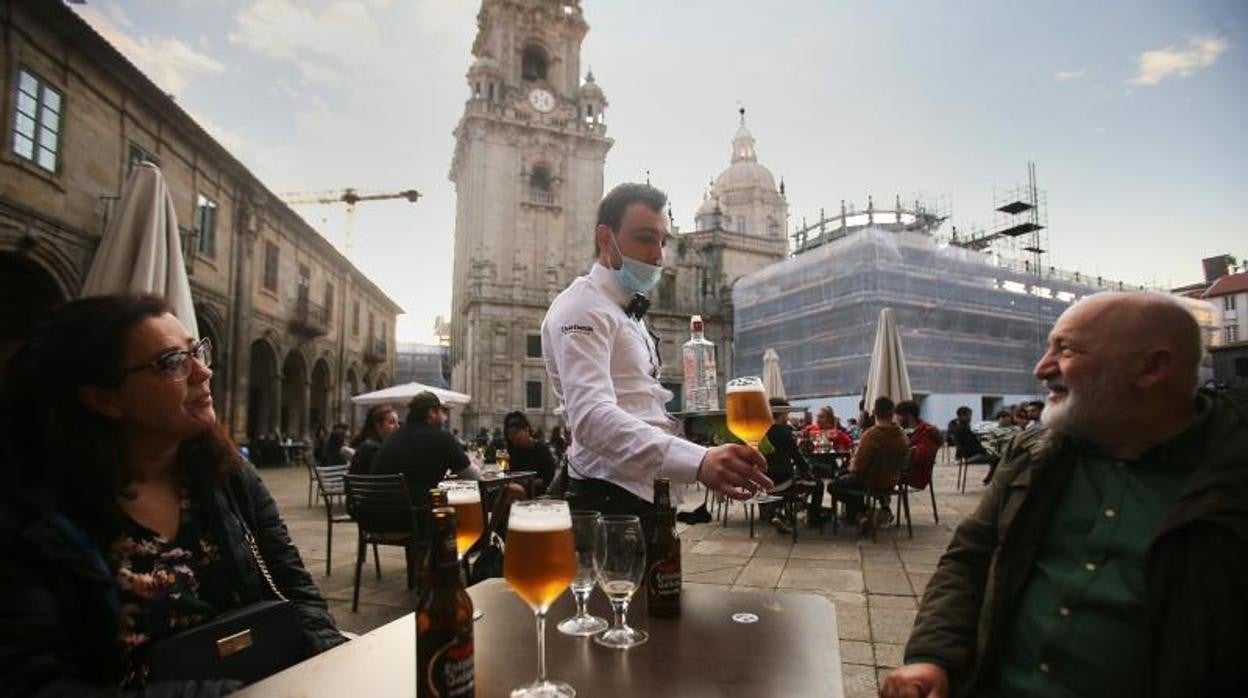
604	366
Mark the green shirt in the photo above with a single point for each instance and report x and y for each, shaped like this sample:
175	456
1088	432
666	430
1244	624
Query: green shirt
1081	627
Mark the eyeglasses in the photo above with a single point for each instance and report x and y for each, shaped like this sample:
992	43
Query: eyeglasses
176	365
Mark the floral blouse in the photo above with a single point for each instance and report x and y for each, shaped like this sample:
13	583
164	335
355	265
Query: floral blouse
166	585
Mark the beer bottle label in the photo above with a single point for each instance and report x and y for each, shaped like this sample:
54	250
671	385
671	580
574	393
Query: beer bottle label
663	578
450	670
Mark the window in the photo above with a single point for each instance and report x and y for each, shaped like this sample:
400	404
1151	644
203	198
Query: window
1241	367
371	334
138	155
533	346
533	395
37	121
539	185
206	226
305	282
355	318
1228	302
270	266
1231	333
329	302
533	64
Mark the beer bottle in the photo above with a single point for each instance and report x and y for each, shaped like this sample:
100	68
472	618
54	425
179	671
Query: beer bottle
424	536
444	648
663	556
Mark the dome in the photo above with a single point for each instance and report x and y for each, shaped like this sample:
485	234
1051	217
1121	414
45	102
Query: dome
709	204
745	174
484	64
590	89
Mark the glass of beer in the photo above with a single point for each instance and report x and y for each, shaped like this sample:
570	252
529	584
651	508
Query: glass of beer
619	563
585	535
464	496
539	565
749	413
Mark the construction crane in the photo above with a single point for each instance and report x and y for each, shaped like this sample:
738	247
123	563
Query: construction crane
350	197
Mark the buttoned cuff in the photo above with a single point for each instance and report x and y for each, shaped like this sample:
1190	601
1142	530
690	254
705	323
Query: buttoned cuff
681	462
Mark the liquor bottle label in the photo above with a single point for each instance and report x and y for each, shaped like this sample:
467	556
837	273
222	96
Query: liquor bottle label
663	578
450	671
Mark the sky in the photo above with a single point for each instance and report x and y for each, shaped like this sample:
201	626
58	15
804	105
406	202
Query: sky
1133	112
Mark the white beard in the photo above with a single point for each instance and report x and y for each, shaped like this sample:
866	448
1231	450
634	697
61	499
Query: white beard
1081	413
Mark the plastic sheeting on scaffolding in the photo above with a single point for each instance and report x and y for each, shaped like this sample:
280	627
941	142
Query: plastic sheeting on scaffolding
969	324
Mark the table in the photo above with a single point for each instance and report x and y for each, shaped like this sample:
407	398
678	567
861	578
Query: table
792	650
493	480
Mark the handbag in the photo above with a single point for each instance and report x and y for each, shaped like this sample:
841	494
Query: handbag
246	644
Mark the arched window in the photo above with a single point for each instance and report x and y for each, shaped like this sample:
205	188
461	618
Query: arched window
533	64
540	185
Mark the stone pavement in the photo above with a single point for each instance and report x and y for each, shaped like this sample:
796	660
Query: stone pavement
875	586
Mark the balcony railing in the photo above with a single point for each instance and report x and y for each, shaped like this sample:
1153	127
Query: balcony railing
543	198
375	351
310	319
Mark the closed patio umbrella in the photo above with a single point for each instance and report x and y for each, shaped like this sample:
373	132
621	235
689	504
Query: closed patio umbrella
772	379
141	251
887	375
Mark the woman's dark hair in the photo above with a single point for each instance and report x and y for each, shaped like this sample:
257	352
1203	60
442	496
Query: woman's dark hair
50	441
376	415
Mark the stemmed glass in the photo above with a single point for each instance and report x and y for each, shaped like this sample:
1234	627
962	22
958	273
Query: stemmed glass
585	526
464	496
749	413
619	563
539	564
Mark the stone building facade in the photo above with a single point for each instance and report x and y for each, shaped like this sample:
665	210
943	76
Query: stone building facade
296	328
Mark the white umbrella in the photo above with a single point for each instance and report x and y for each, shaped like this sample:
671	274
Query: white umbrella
773	381
141	251
887	375
402	394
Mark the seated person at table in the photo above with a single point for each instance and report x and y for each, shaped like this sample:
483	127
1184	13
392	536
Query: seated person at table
1109	556
381	421
336	451
423	450
125	507
826	433
528	452
876	465
925	442
967	445
785	465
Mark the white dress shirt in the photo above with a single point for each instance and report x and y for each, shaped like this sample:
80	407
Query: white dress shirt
604	368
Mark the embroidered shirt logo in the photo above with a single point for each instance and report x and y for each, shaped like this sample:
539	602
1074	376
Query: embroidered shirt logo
566	330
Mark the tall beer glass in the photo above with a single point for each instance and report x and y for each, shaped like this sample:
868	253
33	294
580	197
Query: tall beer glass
464	496
619	564
749	413
585	526
539	564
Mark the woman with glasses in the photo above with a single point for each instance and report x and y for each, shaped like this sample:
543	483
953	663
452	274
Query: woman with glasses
126	510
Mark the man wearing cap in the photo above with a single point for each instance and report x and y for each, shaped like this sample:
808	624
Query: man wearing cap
604	367
423	449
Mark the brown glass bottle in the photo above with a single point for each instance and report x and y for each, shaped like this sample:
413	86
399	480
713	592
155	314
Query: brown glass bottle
424	534
663	579
444	646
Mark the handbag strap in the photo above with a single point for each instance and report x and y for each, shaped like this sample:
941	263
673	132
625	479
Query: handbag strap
264	568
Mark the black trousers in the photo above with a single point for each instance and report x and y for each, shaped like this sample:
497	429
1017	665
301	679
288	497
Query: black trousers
609	499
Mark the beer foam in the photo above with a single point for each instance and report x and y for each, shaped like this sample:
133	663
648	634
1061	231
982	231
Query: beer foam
463	495
539	518
747	388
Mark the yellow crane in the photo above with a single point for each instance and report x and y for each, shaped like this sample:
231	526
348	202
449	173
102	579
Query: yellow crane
350	197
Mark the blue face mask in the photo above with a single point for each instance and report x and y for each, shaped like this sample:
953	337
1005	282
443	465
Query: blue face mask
633	275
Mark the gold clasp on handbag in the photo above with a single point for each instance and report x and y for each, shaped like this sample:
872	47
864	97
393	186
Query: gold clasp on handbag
233	644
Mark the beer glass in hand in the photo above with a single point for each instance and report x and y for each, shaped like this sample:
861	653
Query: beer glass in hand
539	564
585	526
749	413
619	564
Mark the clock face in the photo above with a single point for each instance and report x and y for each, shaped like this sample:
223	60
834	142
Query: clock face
541	100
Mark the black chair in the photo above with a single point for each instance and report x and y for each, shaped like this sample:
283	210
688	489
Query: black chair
329	486
384	515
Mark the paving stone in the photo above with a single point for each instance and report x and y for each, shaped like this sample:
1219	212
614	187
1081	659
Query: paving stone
846	597
890	601
888	581
859	681
820	550
724	575
920	568
919	583
762	572
855	652
774	549
818	576
923	556
891	624
690	562
888	654
852	623
720	546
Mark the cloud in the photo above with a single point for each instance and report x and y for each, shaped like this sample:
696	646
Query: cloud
1064	75
1158	64
324	42
168	62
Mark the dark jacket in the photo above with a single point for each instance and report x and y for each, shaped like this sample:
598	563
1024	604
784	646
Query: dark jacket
785	459
423	453
362	460
1197	563
965	441
539	459
58	601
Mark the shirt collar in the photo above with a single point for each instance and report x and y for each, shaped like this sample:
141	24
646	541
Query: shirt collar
604	278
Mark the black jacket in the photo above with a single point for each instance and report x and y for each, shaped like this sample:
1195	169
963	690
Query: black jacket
58	601
1197	563
539	459
362	461
785	459
423	453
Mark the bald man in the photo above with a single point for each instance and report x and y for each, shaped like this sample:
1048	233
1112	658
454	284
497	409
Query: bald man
1109	557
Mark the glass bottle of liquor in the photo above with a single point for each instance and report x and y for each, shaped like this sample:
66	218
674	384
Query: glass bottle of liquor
701	389
663	579
444	646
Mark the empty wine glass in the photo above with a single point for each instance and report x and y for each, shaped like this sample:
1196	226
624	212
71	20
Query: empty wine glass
619	563
585	526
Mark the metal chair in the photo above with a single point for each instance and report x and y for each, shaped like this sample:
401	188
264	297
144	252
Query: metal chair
329	484
384	515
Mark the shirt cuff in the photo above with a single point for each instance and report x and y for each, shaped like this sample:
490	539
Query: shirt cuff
681	462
